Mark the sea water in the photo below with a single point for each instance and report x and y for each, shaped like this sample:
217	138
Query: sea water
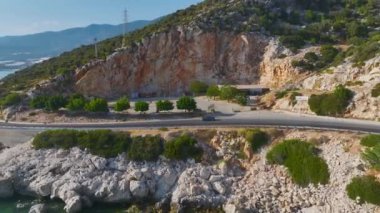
5	72
22	204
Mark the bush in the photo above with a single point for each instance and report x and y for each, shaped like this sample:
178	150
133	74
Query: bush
333	104
54	103
281	94
367	188
372	156
186	103
147	148
293	42
256	139
38	102
198	87
328	54
141	106
50	103
241	99
122	104
302	161
164	105
228	93
104	143
97	105
76	103
10	100
370	140
376	91
182	148
213	91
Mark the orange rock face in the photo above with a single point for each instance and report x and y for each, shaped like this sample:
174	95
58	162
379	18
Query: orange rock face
166	64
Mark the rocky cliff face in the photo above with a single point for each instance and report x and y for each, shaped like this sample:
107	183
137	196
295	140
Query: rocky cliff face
166	63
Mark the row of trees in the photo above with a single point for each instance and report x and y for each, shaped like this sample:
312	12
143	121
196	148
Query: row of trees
226	92
77	103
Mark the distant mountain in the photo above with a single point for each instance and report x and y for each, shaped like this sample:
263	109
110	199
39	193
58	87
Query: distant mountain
49	44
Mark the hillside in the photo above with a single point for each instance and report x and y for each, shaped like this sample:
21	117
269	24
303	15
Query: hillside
228	26
50	44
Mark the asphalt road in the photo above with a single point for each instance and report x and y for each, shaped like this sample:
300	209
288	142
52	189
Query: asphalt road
244	119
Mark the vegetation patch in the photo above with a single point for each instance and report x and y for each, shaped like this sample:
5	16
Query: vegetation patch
370	140
109	144
331	104
302	161
122	104
103	143
10	100
372	156
182	148
366	188
256	138
147	148
376	91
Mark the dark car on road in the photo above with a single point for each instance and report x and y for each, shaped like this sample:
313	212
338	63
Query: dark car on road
208	118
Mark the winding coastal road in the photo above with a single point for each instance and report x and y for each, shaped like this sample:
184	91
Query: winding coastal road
243	119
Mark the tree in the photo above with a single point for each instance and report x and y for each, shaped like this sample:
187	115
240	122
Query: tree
122	104
186	103
76	103
38	102
213	91
141	106
228	93
164	105
198	87
97	105
355	29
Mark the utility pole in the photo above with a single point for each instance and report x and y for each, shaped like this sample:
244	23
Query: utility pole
125	23
96	47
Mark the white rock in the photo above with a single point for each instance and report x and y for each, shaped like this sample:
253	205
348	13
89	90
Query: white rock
219	187
73	205
38	208
138	189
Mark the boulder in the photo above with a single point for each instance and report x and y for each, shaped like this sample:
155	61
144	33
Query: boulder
73	205
138	189
38	208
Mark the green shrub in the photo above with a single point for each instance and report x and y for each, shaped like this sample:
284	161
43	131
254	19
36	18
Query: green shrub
97	105
164	105
76	103
182	148
10	100
367	188
370	140
147	148
122	104
56	102
372	156
186	103
302	161
293	42
292	98
213	91
281	94
376	91
198	87
103	143
228	93
38	102
328	54
333	104
141	106
50	103
256	139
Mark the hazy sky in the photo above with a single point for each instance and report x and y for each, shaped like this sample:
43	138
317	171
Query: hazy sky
18	17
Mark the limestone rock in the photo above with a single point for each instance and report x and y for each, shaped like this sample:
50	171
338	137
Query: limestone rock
139	189
38	208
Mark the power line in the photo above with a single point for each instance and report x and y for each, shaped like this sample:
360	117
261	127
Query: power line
125	25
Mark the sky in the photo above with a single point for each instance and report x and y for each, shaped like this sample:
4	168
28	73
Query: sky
20	17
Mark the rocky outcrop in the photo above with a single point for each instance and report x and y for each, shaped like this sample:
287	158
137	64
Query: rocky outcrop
168	62
80	179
